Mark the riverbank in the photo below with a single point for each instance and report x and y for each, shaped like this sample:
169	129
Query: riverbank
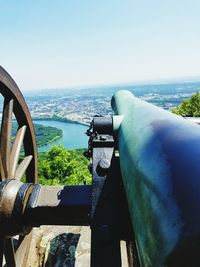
50	141
74	136
46	134
56	118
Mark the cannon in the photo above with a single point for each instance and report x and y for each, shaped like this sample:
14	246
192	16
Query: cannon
145	187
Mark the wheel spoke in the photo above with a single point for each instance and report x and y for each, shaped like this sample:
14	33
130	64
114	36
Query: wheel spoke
1	251
22	252
15	151
9	253
6	131
2	173
22	167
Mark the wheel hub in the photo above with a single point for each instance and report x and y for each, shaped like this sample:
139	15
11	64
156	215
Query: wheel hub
14	196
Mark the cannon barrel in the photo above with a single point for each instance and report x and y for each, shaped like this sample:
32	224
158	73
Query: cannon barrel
160	166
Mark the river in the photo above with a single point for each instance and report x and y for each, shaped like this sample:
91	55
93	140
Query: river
73	134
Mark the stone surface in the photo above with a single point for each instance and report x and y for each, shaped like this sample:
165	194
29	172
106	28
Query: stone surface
56	246
62	246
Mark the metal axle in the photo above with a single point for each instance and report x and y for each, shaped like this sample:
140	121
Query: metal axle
25	205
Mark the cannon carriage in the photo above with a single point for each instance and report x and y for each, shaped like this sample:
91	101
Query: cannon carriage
145	189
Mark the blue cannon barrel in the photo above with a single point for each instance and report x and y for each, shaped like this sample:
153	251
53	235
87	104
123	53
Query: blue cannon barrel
160	165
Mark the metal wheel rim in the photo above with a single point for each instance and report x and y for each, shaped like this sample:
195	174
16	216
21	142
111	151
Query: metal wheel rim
14	103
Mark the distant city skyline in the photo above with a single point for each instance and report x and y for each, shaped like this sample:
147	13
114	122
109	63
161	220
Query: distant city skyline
65	43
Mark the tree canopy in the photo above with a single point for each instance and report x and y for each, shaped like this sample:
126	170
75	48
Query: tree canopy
189	108
63	167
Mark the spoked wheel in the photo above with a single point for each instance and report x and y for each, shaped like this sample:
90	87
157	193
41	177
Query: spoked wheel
13	167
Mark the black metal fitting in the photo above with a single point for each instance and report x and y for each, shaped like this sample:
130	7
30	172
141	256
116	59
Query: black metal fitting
103	167
103	125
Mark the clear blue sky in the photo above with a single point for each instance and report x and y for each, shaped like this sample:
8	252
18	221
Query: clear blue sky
64	43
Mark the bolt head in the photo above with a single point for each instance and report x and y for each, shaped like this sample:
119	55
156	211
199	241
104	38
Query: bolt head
104	164
103	167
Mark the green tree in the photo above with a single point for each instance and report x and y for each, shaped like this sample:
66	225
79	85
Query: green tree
61	167
190	108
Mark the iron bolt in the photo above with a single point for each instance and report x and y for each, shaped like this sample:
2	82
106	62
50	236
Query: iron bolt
103	167
104	164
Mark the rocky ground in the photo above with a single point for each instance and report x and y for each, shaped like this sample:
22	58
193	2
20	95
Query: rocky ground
61	246
56	246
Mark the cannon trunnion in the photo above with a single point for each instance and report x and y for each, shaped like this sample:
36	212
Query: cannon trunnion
145	188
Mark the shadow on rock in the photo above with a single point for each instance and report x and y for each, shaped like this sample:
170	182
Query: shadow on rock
62	251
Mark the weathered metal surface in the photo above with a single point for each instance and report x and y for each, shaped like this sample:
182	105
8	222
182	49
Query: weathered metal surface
109	218
159	158
105	213
103	125
14	197
58	205
24	205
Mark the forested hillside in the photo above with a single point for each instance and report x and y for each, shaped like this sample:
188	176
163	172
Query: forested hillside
44	134
189	108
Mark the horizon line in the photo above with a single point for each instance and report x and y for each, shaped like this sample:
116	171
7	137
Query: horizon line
162	81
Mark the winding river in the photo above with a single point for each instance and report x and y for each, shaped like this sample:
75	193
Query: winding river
73	134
